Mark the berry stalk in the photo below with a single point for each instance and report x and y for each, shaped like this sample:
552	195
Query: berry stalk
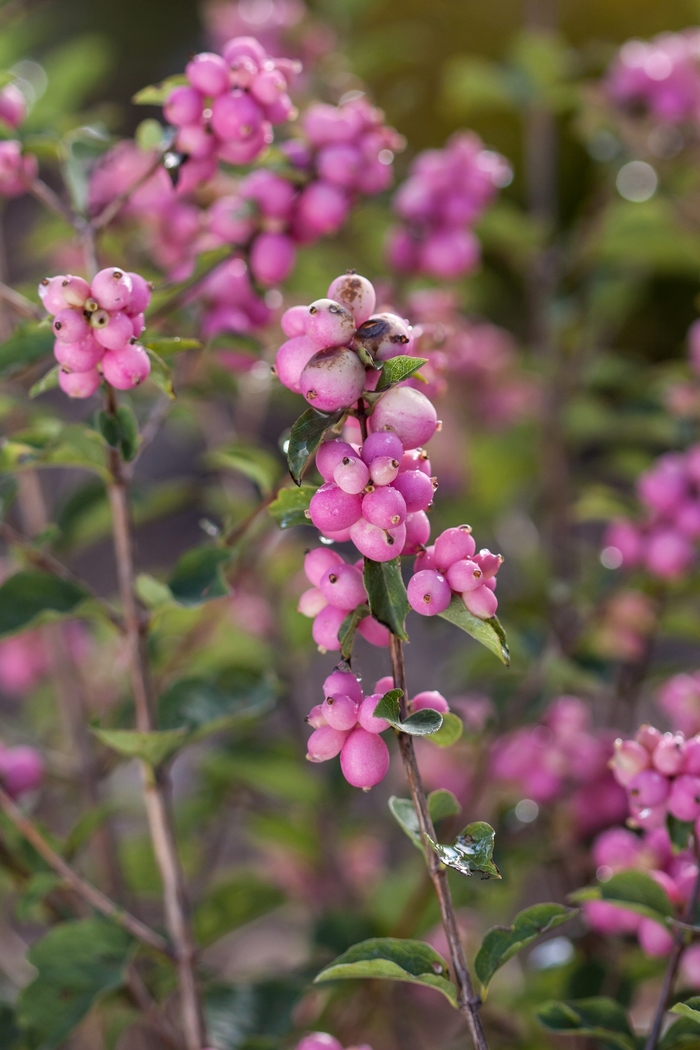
467	1000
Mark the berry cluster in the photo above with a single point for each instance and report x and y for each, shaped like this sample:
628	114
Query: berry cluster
229	104
345	724
679	698
452	566
446	192
661	774
337	590
624	626
97	326
664	542
660	75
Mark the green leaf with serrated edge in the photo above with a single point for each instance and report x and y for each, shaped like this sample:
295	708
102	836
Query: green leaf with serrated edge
348	630
257	464
386	594
449	732
501	943
31	596
197	577
488	632
206	705
305	437
290	507
174	345
635	891
28	343
160	374
155	748
392	959
231	904
398	369
441	804
156	94
679	831
77	964
471	852
595	1018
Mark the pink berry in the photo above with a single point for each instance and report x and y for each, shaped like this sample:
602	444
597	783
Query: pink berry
272	258
384	444
311	602
118	331
79	384
242	151
417	533
356	294
293	321
318	561
375	543
339	164
75	291
430	698
140	294
668	553
383	470
326	627
669	754
208	73
385	507
365	714
684	798
415	459
340	711
488	563
648	788
21	770
616	848
268	86
315	717
183	106
196	140
331	509
454	545
330	454
692	756
333	379
648	817
351	475
464	575
321	209
13	106
654	939
51	294
292	358
343	682
111	288
629	758
319	1041
69	326
385	336
364	759
126	368
138	324
648	736
329	324
325	743
482	602
610	918
235	116
425	559
690	966
416	488
246	47
78	357
343	587
429	593
407	413
374	632
384	685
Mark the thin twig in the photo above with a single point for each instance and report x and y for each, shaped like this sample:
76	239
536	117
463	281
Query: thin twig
111	210
20	303
53	202
90	893
468	1002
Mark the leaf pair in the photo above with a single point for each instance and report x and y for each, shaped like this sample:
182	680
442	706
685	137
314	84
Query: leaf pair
472	851
421	723
120	430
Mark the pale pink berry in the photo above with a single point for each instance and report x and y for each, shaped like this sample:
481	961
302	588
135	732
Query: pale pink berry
326	626
669	754
315	717
343	587
431	699
454	545
183	106
365	714
332	379
482	602
374	632
416	488
272	258
311	602
331	509
343	682
293	321
384	685
692	756
138	324
356	294
429	593
375	543
415	459
690	966
648	817
196	141
488	563
242	151
51	293
407	413
340	711
126	368
464	575
330	454
208	73
648	788
13	105
629	759
351	475
319	1041
648	736
75	291
69	326
292	358
668	553
684	797
382	444
617	849
384	507
321	209
325	743
329	324
111	288
364	759
140	294
118	331
268	86
78	357
654	939
79	384
233	51
21	770
384	470
318	561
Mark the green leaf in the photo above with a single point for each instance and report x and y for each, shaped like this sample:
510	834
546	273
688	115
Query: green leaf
155	748
198	577
160	374
449	732
150	134
634	890
392	959
692	1013
174	345
77	963
30	596
29	342
232	904
487	632
56	445
156	94
49	381
441	804
256	463
305	437
252	1016
684	1032
596	1018
33	893
422	723
120	430
152	592
501	943
291	506
398	369
679	831
386	594
471	851
348	630
206	705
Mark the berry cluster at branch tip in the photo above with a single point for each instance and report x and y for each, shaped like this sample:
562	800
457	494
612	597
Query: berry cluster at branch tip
97	326
452	566
345	724
661	75
661	774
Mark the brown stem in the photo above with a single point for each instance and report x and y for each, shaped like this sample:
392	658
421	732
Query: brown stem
156	785
468	1002
20	303
90	893
111	210
149	1008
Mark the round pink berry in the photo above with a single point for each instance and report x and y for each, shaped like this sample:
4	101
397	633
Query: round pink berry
140	294
669	754
454	545
78	357
75	291
365	714
111	288
429	593
21	770
183	106
383	470
79	384
415	459
208	73
325	743
333	379
417	534
292	358
272	258
118	331
293	322
236	116
343	682
318	561
654	939
329	324
69	326
430	698
375	543
319	1041
351	475
385	507
340	711
330	454
364	759
648	788
374	632
482	602
326	627
126	368
311	602
356	294
343	587
464	575
629	758
51	293
331	509
384	444
684	797
416	488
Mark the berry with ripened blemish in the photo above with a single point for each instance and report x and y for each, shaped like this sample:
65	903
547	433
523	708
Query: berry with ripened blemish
356	294
332	379
385	336
329	324
669	754
291	360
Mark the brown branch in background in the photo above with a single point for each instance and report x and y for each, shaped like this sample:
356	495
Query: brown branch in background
53	202
20	303
178	297
111	210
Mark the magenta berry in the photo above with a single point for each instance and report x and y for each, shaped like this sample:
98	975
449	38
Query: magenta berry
79	384
292	358
343	682
272	258
21	770
140	294
356	294
332	379
352	475
340	711
330	454
429	593
318	561
69	326
464	575
364	759
684	797
375	543
118	331
430	698
654	939
417	534
319	1041
331	509
126	368
235	116
329	324
415	459
385	507
343	587
208	73
293	321
183	106
78	357
315	717
648	788
325	743
111	288
669	754
416	488
482	602
365	714
326	626
407	413
381	444
383	470
311	602
454	545
374	632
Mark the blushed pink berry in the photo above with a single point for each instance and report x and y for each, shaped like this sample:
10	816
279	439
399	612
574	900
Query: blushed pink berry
648	736
311	602
118	331
75	291
629	759
51	293
126	368
293	321
691	763
351	475
343	682
384	470
374	632
208	73
331	509
356	294
610	918
140	294
321	209
235	116
330	454
669	754
453	545
488	563
425	559
319	1041
417	533
13	105
315	717
416	488
318	561
292	358
272	258
343	587
21	770
429	593
332	379
648	817
654	939
329	324
375	543
365	714
464	575
340	711
326	626
183	106
407	413
415	459
385	507
325	743
69	326
78	357
384	444
364	759
111	288
684	798
430	698
648	788
482	602
79	384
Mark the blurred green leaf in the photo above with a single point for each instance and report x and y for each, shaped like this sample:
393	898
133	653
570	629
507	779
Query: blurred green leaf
471	852
160	374
49	381
150	135
155	748
156	94
207	705
472	84
29	342
449	732
151	591
305	437
634	890
252	1016
596	1018
679	831
30	596
9	1030
501	943
120	430
174	345
198	577
488	632
57	445
441	804
290	506
256	463
234	903
74	69
386	594
392	959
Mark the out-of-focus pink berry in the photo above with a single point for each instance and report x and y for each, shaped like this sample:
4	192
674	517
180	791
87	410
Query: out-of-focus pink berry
21	770
318	561
654	939
430	698
629	759
124	369
669	754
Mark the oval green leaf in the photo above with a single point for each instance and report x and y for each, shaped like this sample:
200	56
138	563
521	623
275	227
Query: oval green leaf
392	959
501	943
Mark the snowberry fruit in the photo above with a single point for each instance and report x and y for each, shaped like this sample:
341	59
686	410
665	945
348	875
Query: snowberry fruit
111	288
325	743
75	291
70	326
383	470
332	379
429	593
374	632
329	324
340	711
430	698
343	682
326	626
416	488
352	475
384	507
482	602
384	444
669	754
375	543
407	413
318	561
464	575
365	715
684	797
648	788
118	331
78	357
311	602
79	384
126	368
364	759
417	534
356	294
331	509
453	545
343	587
292	358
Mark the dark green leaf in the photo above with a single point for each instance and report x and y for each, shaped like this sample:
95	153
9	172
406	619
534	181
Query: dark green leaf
449	732
160	374
9	1032
175	345
156	94
252	1016
487	632
198	577
471	851
33	893
398	369
291	506
77	963
256	463
394	960
28	343
686	1031
348	630
31	596
72	445
597	1018
206	705
232	904
441	804
501	943
120	430
679	831
422	723
386	594
49	381
305	437
155	748
634	890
